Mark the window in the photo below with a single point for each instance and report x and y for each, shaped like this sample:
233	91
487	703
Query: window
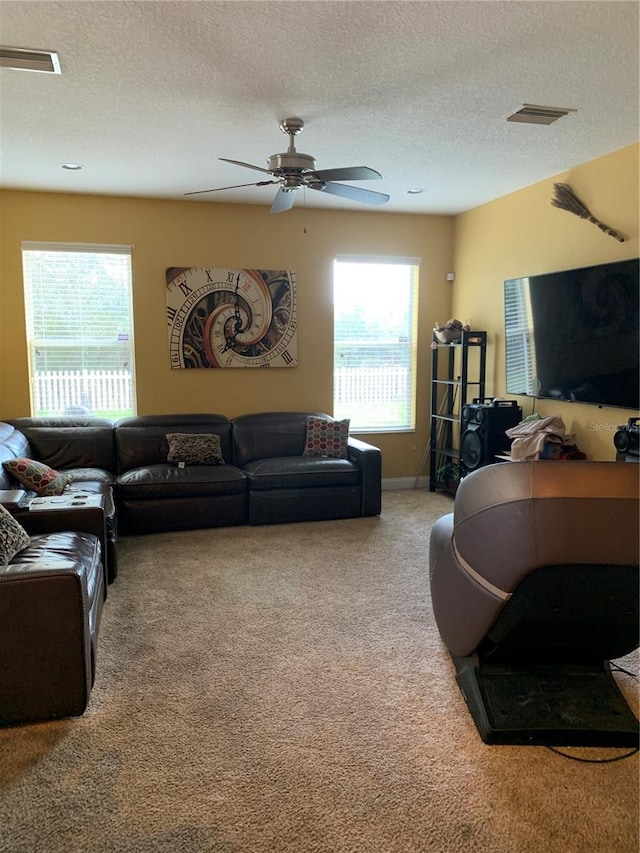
375	341
519	341
79	329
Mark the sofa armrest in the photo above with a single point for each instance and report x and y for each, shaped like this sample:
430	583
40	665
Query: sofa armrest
369	460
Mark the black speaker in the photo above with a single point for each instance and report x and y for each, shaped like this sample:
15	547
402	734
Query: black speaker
627	441
483	431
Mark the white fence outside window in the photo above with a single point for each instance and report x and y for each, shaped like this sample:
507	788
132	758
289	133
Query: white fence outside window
97	391
57	391
373	384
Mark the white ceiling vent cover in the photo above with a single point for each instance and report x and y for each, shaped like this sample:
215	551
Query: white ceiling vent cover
23	59
535	114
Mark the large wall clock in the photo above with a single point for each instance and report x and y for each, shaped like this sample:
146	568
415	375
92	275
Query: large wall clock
231	318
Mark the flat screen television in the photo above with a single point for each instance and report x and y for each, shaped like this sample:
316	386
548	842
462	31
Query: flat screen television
573	335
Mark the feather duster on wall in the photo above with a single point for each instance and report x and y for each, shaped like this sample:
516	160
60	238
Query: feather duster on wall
566	199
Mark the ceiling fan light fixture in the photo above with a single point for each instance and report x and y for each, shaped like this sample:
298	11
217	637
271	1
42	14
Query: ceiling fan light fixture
281	163
71	167
414	191
26	59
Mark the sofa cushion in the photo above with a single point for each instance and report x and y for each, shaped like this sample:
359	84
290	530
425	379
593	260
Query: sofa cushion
169	481
13	537
67	442
290	472
269	434
326	437
93	475
36	476
194	448
142	441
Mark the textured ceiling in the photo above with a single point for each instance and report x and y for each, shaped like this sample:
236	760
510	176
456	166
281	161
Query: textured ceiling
153	93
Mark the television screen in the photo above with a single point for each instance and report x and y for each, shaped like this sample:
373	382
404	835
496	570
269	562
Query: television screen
574	335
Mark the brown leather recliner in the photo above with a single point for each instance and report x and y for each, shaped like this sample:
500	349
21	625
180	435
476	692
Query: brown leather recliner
534	586
51	599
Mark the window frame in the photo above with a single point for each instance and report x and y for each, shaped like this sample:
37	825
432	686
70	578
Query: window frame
80	345
409	347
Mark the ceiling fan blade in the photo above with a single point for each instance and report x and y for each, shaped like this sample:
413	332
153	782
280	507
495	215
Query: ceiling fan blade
284	200
354	193
350	173
246	165
234	187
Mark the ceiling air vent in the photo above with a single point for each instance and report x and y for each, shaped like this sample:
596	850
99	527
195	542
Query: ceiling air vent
24	59
535	114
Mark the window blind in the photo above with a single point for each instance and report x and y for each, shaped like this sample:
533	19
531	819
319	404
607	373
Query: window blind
375	341
79	328
519	344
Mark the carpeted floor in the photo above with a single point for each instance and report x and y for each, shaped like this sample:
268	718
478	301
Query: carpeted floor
284	690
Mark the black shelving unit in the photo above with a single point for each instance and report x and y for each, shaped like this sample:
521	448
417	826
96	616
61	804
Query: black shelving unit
457	377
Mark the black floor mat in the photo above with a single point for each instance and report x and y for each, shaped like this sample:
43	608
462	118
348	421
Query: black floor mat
553	706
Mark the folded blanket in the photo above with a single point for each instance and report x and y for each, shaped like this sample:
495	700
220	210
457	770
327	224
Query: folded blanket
530	438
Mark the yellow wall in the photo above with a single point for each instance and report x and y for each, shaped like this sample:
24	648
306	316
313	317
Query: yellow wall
518	234
181	233
523	234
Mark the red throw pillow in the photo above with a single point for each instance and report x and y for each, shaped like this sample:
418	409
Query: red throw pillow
36	476
326	437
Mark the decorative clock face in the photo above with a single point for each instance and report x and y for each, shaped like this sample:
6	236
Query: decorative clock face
231	318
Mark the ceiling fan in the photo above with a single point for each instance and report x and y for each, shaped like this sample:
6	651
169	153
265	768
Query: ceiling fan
293	170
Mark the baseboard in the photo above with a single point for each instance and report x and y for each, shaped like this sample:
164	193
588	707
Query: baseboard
392	483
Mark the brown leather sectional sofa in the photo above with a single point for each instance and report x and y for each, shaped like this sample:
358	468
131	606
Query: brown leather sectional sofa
265	479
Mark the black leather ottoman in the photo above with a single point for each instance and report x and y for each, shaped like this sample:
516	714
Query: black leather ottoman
51	600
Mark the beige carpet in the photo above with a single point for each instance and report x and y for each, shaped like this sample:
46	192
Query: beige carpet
284	689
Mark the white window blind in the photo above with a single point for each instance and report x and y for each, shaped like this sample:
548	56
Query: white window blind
375	342
521	368
78	305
